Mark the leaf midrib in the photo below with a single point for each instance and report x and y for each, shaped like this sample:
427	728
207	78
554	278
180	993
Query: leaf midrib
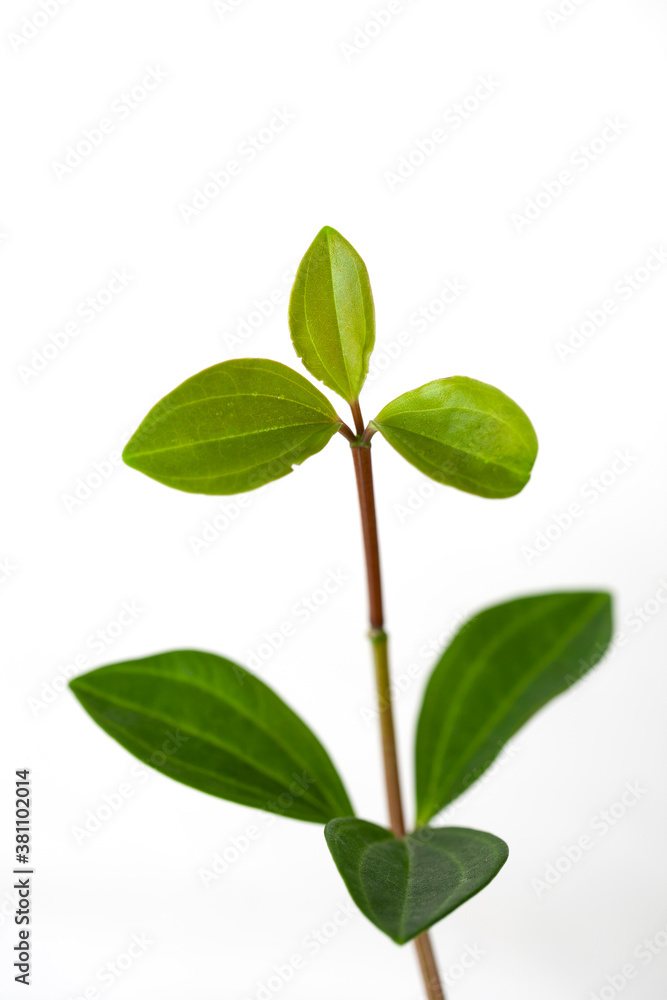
120	702
523	684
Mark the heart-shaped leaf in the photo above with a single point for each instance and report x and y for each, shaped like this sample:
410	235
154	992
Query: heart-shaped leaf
502	667
331	314
405	886
462	433
208	723
232	428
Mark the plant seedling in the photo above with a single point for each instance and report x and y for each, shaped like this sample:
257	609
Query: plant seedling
241	424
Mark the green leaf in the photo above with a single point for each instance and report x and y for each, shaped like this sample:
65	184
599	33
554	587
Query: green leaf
462	433
405	886
206	722
232	428
504	665
331	314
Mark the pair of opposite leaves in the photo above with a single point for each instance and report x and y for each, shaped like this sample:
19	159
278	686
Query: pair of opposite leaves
244	423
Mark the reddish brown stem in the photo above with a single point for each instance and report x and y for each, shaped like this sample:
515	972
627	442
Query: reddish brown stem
361	453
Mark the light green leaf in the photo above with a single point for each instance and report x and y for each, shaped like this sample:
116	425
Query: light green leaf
206	722
331	314
232	428
405	886
462	433
504	665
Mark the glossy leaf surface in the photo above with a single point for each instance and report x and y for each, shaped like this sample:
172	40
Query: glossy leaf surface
206	722
331	314
232	428
463	433
405	886
504	665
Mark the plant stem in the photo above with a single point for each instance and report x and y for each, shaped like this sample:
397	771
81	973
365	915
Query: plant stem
361	453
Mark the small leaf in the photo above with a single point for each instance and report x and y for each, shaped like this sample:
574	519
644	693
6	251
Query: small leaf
462	433
504	665
206	722
405	886
232	428
331	314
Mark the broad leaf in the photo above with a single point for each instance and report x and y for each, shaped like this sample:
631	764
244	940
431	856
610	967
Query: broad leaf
405	886
502	667
208	723
331	314
463	433
232	428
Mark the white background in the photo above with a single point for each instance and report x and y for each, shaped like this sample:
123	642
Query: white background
68	571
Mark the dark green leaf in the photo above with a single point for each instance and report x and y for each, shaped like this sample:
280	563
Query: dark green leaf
208	723
502	667
331	314
406	886
232	428
463	433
